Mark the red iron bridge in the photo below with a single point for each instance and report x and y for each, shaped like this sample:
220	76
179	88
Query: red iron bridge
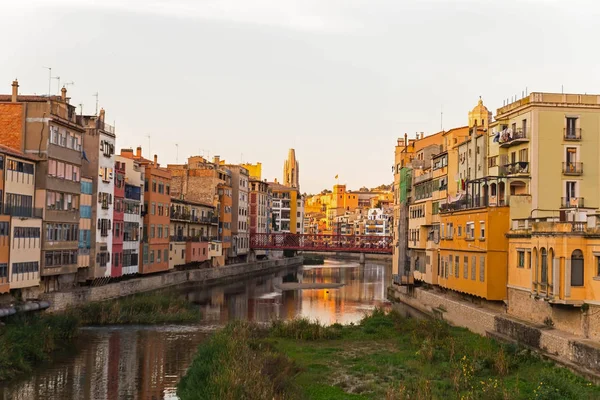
333	243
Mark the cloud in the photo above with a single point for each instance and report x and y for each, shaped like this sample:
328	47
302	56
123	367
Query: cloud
307	15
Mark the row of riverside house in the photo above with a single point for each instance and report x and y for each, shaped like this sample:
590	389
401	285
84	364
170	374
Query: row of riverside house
504	211
74	212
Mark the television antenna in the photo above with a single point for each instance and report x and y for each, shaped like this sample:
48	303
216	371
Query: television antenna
96	96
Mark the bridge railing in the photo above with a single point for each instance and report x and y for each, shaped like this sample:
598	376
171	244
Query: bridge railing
321	242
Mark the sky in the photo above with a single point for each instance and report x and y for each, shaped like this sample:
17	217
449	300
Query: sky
338	80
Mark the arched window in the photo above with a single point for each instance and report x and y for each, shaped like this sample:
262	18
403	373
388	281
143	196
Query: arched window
577	268
544	269
493	189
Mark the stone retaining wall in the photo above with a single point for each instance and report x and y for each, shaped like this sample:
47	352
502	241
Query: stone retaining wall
62	300
582	355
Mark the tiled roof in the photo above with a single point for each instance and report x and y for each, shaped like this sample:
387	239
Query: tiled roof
16	153
8	98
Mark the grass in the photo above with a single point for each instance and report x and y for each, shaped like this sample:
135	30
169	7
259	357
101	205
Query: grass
27	339
146	308
385	356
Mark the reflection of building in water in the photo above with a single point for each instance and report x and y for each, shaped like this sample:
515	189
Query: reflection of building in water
113	365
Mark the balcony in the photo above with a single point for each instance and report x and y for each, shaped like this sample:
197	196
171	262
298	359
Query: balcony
572	134
572	168
26	212
571	202
423	177
180	214
509	137
516	168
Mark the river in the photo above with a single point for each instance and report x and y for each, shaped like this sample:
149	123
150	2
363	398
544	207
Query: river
141	362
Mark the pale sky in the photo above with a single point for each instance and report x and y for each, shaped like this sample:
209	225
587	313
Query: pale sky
338	80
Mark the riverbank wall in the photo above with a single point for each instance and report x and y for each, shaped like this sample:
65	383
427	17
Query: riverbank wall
60	301
579	354
350	256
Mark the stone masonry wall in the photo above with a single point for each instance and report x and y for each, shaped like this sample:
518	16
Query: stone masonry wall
574	351
61	300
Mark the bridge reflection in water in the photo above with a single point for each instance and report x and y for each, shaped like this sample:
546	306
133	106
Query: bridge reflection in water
332	243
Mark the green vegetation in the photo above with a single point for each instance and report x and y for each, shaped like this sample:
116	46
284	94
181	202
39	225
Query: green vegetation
145	308
385	356
29	339
313	259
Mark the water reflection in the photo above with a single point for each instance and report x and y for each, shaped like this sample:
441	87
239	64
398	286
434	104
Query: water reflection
147	362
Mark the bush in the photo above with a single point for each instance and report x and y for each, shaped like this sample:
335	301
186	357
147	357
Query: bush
29	339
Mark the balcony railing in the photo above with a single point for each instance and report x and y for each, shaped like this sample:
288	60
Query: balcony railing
16	211
572	168
572	202
573	134
183	238
520	167
510	137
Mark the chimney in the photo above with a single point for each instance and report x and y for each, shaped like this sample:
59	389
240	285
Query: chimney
216	160
138	152
156	161
63	94
405	141
101	116
15	91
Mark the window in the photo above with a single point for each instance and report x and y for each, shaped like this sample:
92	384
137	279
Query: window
166	231
571	128
470	230
456	265
442	231
473	268
158	254
523	155
459	230
482	268
3	270
152	231
450	230
520	259
166	255
492	161
571	190
154	185
481	230
577	268
597	264
466	267
529	259
152	256
18	205
153	210
544	272
104	225
168	190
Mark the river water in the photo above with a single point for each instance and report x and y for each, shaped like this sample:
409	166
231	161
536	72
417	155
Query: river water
137	362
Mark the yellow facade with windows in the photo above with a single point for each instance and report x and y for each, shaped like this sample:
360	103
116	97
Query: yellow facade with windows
473	252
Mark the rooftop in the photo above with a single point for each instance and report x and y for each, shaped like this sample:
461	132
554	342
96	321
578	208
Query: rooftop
16	153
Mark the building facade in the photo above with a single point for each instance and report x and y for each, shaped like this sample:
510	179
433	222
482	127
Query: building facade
20	224
118	219
47	128
99	150
133	202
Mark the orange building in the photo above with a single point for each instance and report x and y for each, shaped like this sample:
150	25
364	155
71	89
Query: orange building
157	204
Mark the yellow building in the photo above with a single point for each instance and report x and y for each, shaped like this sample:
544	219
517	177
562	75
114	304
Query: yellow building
546	150
288	209
473	251
254	170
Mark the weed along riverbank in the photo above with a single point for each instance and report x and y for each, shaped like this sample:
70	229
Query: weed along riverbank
384	356
28	339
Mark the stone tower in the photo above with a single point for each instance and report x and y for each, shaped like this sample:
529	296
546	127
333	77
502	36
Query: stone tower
291	171
480	116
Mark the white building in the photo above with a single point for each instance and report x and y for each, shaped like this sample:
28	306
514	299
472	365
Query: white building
132	219
378	222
